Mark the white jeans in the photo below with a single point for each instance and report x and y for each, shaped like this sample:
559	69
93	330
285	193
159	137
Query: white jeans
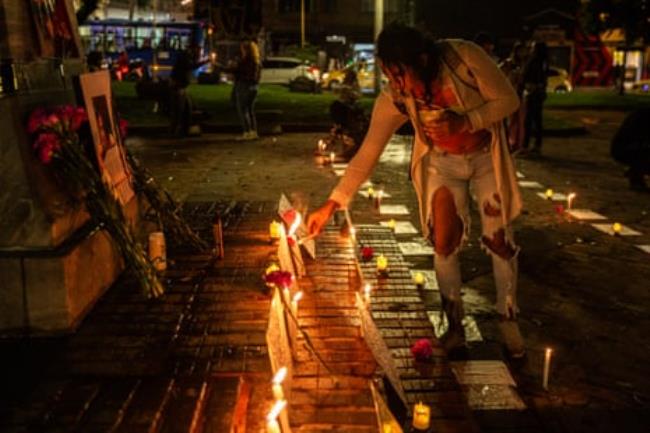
458	173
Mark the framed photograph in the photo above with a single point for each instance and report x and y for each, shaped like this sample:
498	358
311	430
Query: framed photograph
111	157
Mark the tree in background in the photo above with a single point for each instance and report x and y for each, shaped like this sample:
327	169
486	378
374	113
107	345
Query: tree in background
632	16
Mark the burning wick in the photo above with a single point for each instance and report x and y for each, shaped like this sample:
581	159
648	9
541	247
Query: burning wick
278	392
547	367
569	200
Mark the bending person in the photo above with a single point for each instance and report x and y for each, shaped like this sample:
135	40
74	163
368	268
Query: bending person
457	99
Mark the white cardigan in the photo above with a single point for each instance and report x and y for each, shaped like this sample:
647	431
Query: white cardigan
485	96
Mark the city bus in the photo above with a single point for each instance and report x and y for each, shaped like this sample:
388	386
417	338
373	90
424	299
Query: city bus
141	40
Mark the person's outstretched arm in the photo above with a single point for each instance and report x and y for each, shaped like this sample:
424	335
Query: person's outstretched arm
500	97
385	120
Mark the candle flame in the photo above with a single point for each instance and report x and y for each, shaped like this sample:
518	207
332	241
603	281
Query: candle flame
275	411
280	376
295	224
298	296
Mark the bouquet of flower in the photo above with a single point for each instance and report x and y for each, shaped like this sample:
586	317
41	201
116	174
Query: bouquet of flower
57	144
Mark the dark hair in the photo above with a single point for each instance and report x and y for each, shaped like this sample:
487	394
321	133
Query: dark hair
400	45
483	38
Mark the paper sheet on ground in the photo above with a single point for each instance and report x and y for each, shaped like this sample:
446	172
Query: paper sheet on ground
607	228
393	209
585	214
430	280
557	196
530	184
644	248
415	249
364	193
402	227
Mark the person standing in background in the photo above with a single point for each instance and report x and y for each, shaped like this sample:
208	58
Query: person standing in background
246	74
535	78
513	67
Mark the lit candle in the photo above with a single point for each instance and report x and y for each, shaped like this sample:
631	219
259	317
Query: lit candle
272	425
379	195
549	194
321	145
382	263
569	200
419	279
421	416
274	230
392	224
157	250
366	292
294	302
295	224
547	367
332	157
616	228
278	392
371	192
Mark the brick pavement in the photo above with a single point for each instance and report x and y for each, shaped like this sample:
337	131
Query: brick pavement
168	365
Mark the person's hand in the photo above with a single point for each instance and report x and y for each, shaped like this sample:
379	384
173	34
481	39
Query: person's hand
317	219
446	125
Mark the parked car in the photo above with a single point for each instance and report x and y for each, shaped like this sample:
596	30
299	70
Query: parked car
283	70
332	79
558	81
641	86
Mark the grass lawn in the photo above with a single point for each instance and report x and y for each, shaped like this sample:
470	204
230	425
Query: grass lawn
309	108
215	100
598	99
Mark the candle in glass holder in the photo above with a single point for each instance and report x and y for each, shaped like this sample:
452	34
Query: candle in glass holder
617	228
321	146
418	278
278	392
392	224
549	194
421	416
371	192
274	230
157	250
366	292
332	157
382	263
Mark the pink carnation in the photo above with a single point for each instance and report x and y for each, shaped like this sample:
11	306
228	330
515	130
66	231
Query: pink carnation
422	350
36	120
280	279
46	145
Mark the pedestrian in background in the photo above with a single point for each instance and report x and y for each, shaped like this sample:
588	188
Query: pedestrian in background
513	67
456	97
180	104
246	74
535	79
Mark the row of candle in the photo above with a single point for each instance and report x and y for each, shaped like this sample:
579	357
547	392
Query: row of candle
570	198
